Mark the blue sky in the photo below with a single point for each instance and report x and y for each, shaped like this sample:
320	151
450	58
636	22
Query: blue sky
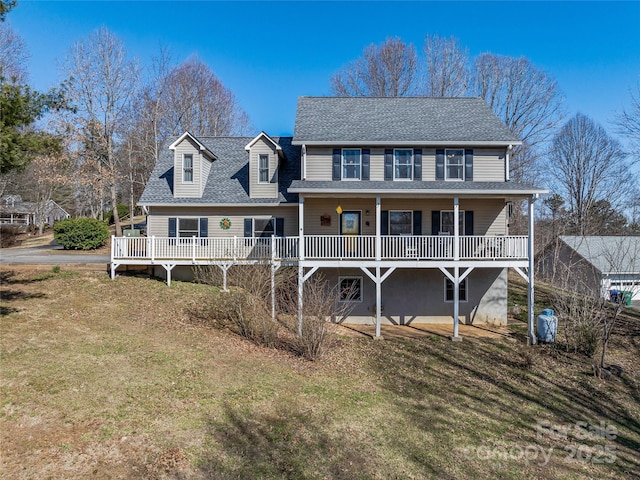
269	53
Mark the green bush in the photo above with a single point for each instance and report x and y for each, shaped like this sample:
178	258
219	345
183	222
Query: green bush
123	211
81	233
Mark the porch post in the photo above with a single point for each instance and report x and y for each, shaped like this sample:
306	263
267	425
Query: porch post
378	301
456	229
378	230
301	227
456	300
530	292
300	259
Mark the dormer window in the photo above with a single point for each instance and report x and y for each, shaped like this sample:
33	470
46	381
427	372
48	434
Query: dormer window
454	164
263	174
187	168
351	164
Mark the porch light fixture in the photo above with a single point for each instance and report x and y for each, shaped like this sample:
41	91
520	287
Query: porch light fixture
366	213
339	210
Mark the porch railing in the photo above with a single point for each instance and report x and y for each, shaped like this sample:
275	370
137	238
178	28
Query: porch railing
317	247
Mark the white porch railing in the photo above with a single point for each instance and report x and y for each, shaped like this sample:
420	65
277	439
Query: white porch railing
317	247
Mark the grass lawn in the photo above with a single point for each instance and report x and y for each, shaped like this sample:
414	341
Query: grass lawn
123	379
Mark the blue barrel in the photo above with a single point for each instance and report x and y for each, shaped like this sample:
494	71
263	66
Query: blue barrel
547	326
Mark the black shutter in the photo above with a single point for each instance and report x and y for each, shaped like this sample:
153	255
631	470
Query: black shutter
173	227
468	222
440	164
337	157
417	222
468	164
384	222
204	227
248	227
279	227
417	164
365	163
388	164
435	222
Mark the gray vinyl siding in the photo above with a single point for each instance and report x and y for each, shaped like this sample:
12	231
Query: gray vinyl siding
158	218
489	215
192	189
488	164
257	189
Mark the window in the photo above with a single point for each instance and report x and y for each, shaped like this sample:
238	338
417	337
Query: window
402	164
350	289
263	227
400	223
187	168
448	290
188	227
454	164
263	175
351	164
446	222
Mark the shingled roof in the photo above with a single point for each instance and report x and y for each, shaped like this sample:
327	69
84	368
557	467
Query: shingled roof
228	181
609	254
398	120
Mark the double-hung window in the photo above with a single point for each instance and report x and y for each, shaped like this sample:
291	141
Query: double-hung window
402	164
263	227
187	168
350	289
454	164
400	223
263	174
446	222
449	293
188	227
351	164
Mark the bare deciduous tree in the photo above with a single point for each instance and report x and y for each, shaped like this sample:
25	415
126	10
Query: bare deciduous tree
13	55
526	99
448	73
581	159
193	99
627	122
102	83
385	70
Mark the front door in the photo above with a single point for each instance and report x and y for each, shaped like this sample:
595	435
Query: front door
350	223
350	226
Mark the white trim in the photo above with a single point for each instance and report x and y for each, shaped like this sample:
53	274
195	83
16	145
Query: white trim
466	290
260	157
415	143
184	155
389	222
410	165
202	148
350	277
260	135
456	179
342	177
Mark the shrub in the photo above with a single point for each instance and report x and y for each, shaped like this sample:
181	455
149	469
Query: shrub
81	233
123	211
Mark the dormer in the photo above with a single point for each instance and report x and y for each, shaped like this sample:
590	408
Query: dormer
264	159
191	165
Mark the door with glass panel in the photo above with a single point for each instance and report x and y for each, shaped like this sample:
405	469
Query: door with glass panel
350	227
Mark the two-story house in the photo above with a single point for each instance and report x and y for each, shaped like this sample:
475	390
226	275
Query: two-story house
402	202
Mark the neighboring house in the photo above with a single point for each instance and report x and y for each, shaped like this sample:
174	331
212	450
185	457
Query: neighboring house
14	211
593	264
367	191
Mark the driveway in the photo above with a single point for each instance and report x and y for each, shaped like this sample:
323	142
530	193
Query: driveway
49	255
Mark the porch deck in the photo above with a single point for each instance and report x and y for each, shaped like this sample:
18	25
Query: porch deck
203	250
